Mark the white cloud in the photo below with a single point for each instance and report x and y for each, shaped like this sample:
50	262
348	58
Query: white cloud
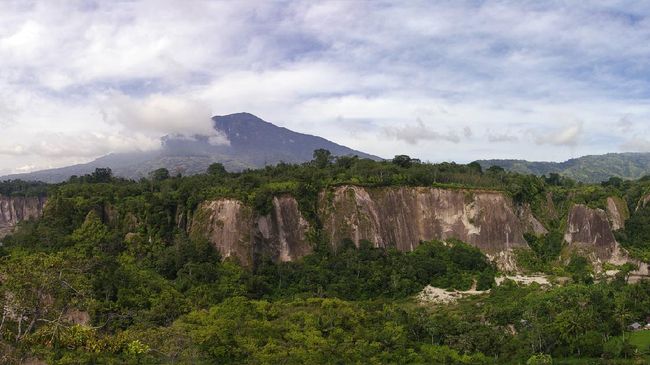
636	144
568	136
626	123
158	115
131	72
501	137
26	168
85	145
420	132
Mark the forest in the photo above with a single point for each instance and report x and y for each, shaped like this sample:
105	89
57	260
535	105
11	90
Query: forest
79	287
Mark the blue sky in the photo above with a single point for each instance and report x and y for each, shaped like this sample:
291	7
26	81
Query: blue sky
441	81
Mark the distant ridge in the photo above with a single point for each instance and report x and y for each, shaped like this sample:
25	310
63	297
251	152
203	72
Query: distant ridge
592	168
254	143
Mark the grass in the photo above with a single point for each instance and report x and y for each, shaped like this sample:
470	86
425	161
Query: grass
641	340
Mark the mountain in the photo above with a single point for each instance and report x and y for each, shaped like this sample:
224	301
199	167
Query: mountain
592	168
252	143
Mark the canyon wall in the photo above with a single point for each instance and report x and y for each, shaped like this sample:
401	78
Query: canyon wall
401	217
590	229
240	234
16	209
591	232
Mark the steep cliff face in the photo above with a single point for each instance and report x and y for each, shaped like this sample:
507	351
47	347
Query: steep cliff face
590	229
643	201
283	233
402	217
237	232
617	212
16	209
530	222
228	224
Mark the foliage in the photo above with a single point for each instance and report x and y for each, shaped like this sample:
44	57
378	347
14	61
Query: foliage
544	251
368	273
119	251
540	359
636	233
22	188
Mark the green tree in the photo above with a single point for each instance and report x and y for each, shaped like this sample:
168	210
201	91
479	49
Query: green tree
93	236
402	161
159	174
101	175
322	158
540	359
475	167
37	288
216	169
580	269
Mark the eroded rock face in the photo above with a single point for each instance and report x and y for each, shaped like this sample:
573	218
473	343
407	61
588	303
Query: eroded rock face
531	223
617	212
228	224
402	217
643	201
590	229
282	234
16	209
237	232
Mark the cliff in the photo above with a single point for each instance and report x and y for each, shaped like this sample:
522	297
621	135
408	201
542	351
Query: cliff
617	212
387	217
402	217
16	209
591	232
238	233
590	229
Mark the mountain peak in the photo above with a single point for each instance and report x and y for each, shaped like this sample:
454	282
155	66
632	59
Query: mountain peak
253	143
242	117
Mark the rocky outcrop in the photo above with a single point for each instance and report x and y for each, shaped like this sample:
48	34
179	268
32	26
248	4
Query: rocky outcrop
227	224
590	229
401	217
387	217
617	212
591	232
645	199
13	210
239	233
531	223
283	233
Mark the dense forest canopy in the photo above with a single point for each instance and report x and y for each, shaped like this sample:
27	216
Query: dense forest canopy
79	286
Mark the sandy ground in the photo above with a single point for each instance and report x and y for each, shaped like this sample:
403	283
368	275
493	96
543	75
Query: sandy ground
522	279
433	295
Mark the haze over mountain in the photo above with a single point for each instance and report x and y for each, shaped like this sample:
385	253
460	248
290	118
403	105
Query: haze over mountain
592	168
242	141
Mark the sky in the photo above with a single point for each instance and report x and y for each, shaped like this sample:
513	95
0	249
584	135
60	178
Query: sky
437	80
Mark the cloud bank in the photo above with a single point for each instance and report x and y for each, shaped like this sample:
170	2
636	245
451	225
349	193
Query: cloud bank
487	79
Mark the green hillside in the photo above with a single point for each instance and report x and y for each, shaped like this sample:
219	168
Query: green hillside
594	168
